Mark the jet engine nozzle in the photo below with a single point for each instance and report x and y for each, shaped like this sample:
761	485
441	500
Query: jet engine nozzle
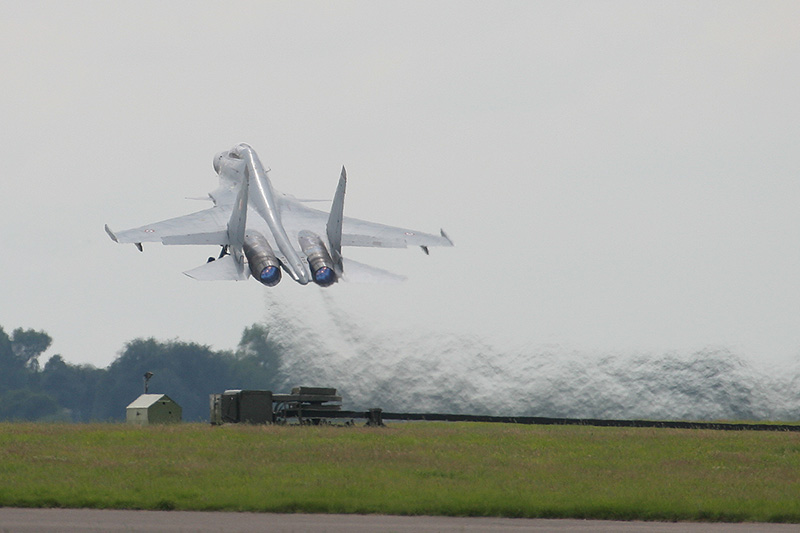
264	266
319	260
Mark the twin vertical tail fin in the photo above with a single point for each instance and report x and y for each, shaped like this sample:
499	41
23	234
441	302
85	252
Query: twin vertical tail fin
238	221
334	227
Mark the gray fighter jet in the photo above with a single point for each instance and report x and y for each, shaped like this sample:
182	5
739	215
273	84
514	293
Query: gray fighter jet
262	231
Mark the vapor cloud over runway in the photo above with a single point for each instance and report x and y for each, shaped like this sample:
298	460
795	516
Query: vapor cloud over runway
416	370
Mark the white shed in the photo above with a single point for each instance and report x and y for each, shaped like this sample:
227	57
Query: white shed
154	409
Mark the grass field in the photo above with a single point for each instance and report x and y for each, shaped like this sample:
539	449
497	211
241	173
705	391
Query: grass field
467	469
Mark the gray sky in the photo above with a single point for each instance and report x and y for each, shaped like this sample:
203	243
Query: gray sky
616	175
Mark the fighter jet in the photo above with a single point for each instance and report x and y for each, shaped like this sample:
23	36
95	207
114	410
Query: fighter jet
262	231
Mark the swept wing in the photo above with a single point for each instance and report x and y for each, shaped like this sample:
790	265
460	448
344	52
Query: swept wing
356	232
203	227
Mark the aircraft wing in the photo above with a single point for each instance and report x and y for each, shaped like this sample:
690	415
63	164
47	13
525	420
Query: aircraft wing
203	227
357	232
371	234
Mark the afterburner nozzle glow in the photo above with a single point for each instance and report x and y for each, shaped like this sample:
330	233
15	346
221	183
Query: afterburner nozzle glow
270	276
264	266
319	260
324	276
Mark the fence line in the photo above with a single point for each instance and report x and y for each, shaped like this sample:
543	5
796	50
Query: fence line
376	417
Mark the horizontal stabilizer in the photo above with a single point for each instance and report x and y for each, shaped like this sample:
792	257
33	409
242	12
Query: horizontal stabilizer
355	272
221	269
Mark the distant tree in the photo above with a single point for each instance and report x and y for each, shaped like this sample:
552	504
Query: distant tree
25	404
186	372
14	374
10	367
27	345
258	360
73	386
6	351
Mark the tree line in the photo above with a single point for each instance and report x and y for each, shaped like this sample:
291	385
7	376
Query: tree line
187	372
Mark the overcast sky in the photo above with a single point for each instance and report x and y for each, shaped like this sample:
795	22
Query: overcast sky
615	175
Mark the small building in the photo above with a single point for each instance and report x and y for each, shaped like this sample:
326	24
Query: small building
154	409
247	406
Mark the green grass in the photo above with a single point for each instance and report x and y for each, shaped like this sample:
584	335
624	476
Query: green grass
465	469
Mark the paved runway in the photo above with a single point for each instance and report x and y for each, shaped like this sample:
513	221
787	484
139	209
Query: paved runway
77	520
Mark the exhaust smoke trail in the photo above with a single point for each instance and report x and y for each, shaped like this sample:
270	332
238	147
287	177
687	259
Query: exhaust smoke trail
424	371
